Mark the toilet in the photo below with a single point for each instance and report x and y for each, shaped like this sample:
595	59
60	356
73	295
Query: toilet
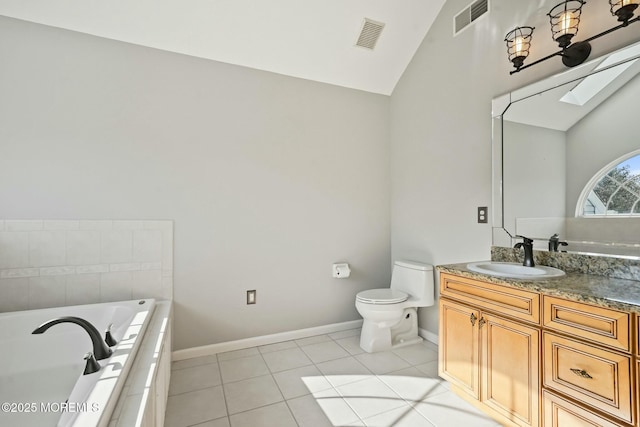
391	314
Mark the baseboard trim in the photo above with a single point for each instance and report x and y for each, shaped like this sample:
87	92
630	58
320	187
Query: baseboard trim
429	336
207	350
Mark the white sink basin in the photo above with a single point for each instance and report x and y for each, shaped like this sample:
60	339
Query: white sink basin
514	270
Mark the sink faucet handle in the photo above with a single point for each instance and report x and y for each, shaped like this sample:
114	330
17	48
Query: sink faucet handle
92	364
108	337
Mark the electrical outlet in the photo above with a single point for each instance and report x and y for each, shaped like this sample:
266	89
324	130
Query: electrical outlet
251	297
483	213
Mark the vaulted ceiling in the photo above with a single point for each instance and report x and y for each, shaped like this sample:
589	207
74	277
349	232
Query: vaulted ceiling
313	40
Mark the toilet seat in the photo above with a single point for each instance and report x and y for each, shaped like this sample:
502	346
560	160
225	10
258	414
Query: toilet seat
381	296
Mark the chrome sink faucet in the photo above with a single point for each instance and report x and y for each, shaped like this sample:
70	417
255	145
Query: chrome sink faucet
527	245
100	349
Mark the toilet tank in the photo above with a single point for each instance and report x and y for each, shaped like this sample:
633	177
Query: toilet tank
415	279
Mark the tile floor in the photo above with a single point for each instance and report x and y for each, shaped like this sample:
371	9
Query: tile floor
326	380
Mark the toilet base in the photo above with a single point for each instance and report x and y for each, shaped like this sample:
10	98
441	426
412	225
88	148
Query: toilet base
375	338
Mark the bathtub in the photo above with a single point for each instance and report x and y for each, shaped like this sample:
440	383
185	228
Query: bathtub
41	380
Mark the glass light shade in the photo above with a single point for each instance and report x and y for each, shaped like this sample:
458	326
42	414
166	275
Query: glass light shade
518	44
565	19
623	9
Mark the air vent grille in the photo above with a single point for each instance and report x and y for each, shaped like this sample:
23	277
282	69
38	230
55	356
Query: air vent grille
469	14
369	34
478	9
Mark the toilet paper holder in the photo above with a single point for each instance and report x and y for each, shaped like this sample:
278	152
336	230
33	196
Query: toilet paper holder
341	270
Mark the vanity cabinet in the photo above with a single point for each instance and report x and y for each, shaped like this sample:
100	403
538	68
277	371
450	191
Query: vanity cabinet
531	359
492	359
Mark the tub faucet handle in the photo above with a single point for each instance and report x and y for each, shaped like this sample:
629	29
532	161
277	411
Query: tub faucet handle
92	364
108	338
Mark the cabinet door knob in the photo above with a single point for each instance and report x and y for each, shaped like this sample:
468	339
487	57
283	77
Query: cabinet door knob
473	319
581	373
481	322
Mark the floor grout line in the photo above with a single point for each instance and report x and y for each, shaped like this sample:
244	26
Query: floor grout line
408	406
224	393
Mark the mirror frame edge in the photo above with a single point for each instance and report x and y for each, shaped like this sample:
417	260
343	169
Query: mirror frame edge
500	236
499	105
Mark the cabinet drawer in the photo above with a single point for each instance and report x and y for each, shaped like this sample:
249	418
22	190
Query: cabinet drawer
602	325
559	412
517	303
599	378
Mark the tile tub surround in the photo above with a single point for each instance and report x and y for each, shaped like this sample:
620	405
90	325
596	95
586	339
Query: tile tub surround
310	383
51	263
611	292
600	265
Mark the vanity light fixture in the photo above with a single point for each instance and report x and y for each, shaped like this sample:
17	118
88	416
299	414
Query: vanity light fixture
565	20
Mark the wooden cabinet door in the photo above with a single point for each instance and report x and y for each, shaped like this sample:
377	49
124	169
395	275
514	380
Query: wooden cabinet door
511	369
458	358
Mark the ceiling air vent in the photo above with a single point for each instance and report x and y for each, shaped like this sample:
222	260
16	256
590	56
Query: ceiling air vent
369	34
469	14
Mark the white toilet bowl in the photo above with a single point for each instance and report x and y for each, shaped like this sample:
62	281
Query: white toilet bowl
390	314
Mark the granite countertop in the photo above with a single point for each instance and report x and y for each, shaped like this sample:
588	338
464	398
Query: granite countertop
619	294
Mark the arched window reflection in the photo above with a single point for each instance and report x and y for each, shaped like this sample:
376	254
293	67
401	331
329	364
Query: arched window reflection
617	191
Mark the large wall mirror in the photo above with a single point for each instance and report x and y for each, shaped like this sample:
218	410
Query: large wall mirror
566	158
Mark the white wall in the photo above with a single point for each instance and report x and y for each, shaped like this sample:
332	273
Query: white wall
441	126
269	179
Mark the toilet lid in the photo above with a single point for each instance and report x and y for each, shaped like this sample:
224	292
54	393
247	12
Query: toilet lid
381	296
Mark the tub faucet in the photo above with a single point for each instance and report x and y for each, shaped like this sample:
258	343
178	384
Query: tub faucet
527	245
100	349
554	242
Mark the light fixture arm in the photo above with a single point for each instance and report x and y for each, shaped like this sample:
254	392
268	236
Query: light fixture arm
576	53
524	67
